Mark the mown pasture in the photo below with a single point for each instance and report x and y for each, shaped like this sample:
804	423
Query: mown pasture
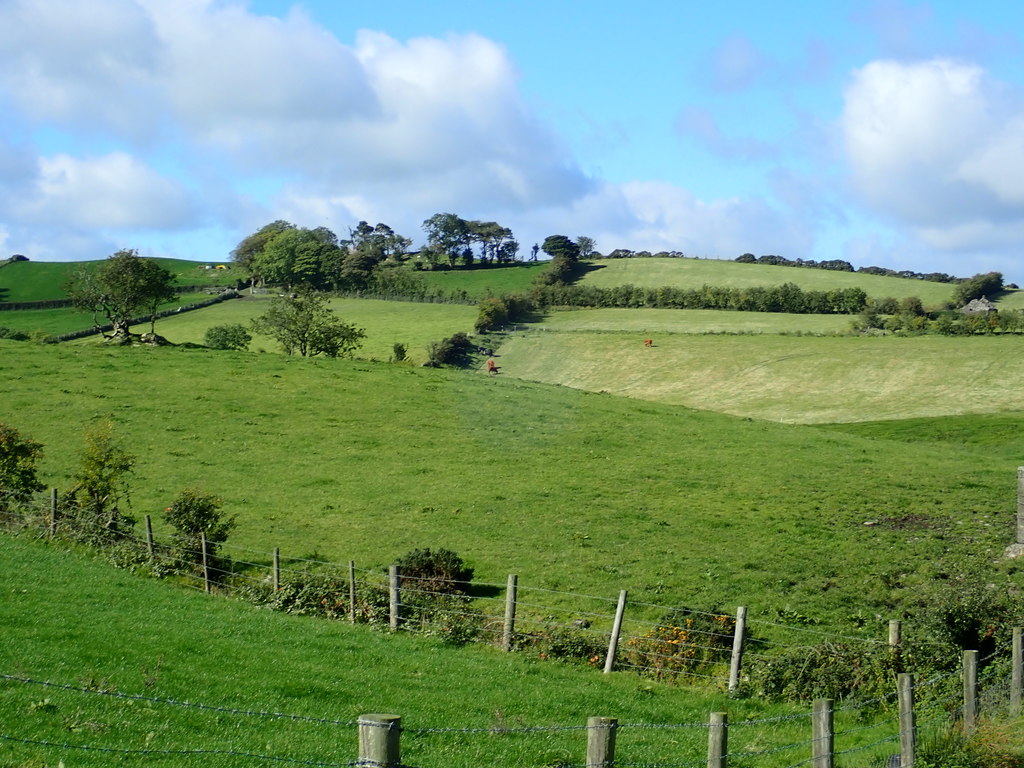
801	379
480	282
106	634
693	273
573	491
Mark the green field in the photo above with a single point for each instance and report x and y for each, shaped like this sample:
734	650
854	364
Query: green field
573	491
42	280
385	323
481	282
693	273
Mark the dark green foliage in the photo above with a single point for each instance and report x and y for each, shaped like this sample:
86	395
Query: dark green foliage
988	285
831	670
12	334
438	570
556	642
195	514
787	297
399	352
493	315
18	457
454	350
229	336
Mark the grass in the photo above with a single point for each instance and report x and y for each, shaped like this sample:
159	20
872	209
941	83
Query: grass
655	321
100	631
385	323
573	491
782	378
42	281
693	273
481	282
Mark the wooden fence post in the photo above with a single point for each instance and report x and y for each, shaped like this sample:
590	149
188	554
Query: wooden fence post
1016	672
206	563
970	691
822	734
379	740
509	629
149	535
613	642
908	726
352	591
1020	505
277	569
53	512
896	643
737	649
718	740
601	741
395	591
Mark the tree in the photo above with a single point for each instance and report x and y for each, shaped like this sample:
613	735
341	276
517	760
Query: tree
101	486
18	457
449	234
586	245
245	252
119	288
561	246
306	325
193	515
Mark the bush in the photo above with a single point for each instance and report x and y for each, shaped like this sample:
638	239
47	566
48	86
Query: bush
455	350
195	514
96	503
566	644
684	641
12	334
18	457
439	571
230	336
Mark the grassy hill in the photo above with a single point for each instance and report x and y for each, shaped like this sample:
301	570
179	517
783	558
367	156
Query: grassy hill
42	281
480	282
693	273
573	491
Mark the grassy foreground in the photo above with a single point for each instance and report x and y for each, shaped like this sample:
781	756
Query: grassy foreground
100	632
573	491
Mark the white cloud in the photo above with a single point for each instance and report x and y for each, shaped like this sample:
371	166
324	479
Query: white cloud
114	191
937	146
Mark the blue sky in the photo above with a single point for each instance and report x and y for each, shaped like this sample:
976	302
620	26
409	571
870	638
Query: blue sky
883	133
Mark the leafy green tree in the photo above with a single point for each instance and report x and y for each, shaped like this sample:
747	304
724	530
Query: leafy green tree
120	287
247	251
228	336
99	497
304	324
449	234
493	314
18	457
557	246
195	514
981	286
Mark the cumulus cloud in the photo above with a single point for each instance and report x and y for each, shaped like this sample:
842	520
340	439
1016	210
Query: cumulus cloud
114	191
938	146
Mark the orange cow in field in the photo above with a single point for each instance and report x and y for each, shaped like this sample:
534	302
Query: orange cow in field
491	367
648	342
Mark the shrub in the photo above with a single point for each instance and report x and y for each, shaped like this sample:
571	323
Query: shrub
566	644
455	350
96	503
12	334
684	641
18	457
438	571
230	336
399	352
195	514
